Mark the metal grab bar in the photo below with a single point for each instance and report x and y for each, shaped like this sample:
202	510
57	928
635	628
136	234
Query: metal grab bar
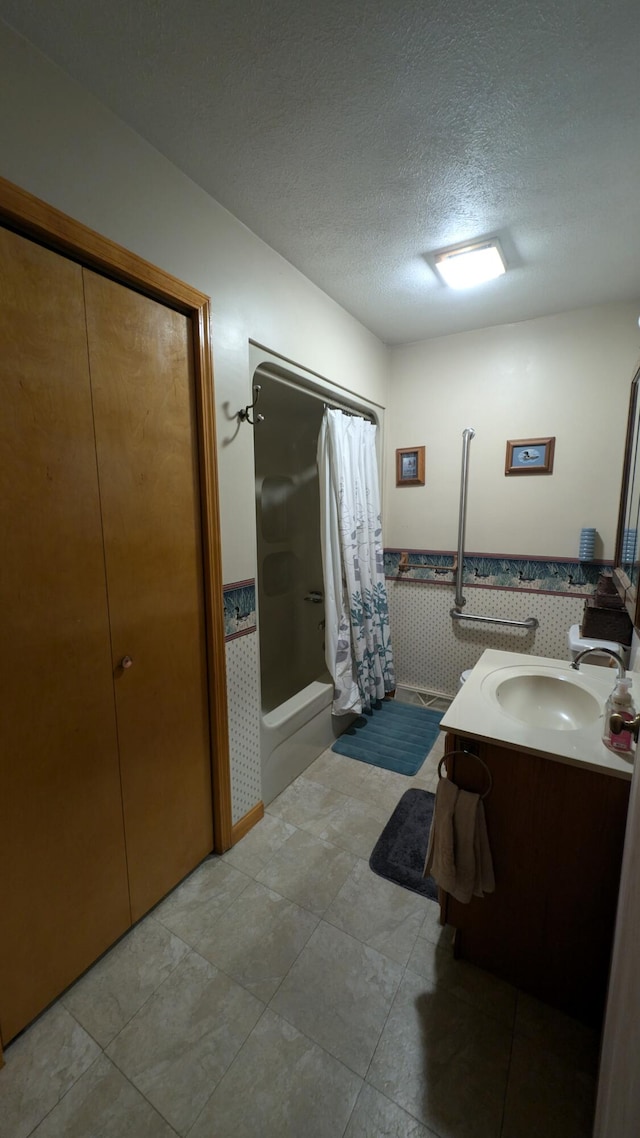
467	436
530	622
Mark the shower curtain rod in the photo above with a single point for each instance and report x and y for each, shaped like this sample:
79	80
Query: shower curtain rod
265	371
353	414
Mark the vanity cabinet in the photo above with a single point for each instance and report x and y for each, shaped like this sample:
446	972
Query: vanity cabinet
556	834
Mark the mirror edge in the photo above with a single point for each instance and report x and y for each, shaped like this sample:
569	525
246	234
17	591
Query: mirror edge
625	587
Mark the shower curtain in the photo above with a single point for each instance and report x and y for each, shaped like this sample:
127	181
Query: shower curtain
358	643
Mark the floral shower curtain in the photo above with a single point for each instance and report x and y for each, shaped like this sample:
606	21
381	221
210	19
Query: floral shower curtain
358	643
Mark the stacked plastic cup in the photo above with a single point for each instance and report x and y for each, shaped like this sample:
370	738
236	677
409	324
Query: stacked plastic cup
587	544
629	545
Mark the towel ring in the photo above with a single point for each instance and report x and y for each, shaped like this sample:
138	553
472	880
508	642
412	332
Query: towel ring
469	755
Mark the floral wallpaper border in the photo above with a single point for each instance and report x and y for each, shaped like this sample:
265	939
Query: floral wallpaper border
560	576
239	608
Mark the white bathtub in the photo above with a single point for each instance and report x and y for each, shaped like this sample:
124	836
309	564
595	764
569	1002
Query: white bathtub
294	734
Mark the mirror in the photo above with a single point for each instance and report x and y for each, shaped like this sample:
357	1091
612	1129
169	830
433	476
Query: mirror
627	557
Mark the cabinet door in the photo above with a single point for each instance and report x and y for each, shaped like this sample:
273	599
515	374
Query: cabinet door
144	411
556	833
63	885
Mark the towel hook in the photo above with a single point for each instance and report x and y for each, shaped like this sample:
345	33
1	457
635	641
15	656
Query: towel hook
469	755
244	414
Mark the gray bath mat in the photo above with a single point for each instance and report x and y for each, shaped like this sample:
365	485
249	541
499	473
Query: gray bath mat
401	848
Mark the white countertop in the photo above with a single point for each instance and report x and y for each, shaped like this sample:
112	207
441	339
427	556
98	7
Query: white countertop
476	714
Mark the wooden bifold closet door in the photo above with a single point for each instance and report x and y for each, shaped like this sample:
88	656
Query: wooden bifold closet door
63	883
105	779
141	376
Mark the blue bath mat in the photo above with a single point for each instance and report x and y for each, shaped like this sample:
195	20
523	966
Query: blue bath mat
396	736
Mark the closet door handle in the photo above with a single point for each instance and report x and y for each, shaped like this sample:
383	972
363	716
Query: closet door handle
126	662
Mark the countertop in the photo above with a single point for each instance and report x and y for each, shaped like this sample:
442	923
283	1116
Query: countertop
476	715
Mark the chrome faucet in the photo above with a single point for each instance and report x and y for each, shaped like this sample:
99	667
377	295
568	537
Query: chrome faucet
622	671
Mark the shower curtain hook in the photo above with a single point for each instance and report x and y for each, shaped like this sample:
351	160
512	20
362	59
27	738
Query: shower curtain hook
244	414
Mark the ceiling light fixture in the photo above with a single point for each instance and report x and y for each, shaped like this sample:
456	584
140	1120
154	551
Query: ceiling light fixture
470	264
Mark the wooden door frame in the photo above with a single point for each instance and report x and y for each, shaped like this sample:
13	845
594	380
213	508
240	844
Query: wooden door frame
28	215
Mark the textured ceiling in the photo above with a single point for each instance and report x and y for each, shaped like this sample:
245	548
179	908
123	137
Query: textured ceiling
355	137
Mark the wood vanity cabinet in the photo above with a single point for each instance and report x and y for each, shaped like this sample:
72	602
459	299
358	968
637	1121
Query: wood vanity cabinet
556	833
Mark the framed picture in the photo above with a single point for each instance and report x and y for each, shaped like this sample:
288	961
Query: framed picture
529	456
410	466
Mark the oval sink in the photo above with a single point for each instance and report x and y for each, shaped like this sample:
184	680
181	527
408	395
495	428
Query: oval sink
548	701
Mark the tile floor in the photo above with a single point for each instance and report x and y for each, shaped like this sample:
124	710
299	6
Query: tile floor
285	991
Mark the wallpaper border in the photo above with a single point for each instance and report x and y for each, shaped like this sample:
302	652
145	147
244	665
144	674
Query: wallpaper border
555	576
239	599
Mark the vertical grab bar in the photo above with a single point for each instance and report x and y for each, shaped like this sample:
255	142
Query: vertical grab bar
467	436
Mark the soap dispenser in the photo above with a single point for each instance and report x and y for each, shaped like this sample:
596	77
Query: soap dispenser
619	701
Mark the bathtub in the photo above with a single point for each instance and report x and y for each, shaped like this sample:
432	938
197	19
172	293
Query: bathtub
294	734
295	688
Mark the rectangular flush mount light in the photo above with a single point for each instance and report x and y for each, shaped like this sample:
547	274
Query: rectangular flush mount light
471	264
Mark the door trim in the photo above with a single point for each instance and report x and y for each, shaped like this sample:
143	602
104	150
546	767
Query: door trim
28	215
247	822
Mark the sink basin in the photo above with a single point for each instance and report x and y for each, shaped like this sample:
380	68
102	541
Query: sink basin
540	706
548	700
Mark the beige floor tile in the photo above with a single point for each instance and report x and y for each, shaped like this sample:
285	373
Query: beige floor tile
338	772
384	789
425	780
195	1039
178	1046
339	993
390	780
41	1066
195	905
547	1095
379	913
559	1033
258	847
474	985
386	797
257	939
281	1085
305	801
443	1061
103	1104
375	1116
432	930
111	992
307	871
353	824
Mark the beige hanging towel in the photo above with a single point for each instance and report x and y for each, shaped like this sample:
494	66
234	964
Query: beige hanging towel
458	854
440	862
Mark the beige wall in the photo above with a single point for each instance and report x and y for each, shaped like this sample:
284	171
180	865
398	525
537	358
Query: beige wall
59	143
566	375
62	145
